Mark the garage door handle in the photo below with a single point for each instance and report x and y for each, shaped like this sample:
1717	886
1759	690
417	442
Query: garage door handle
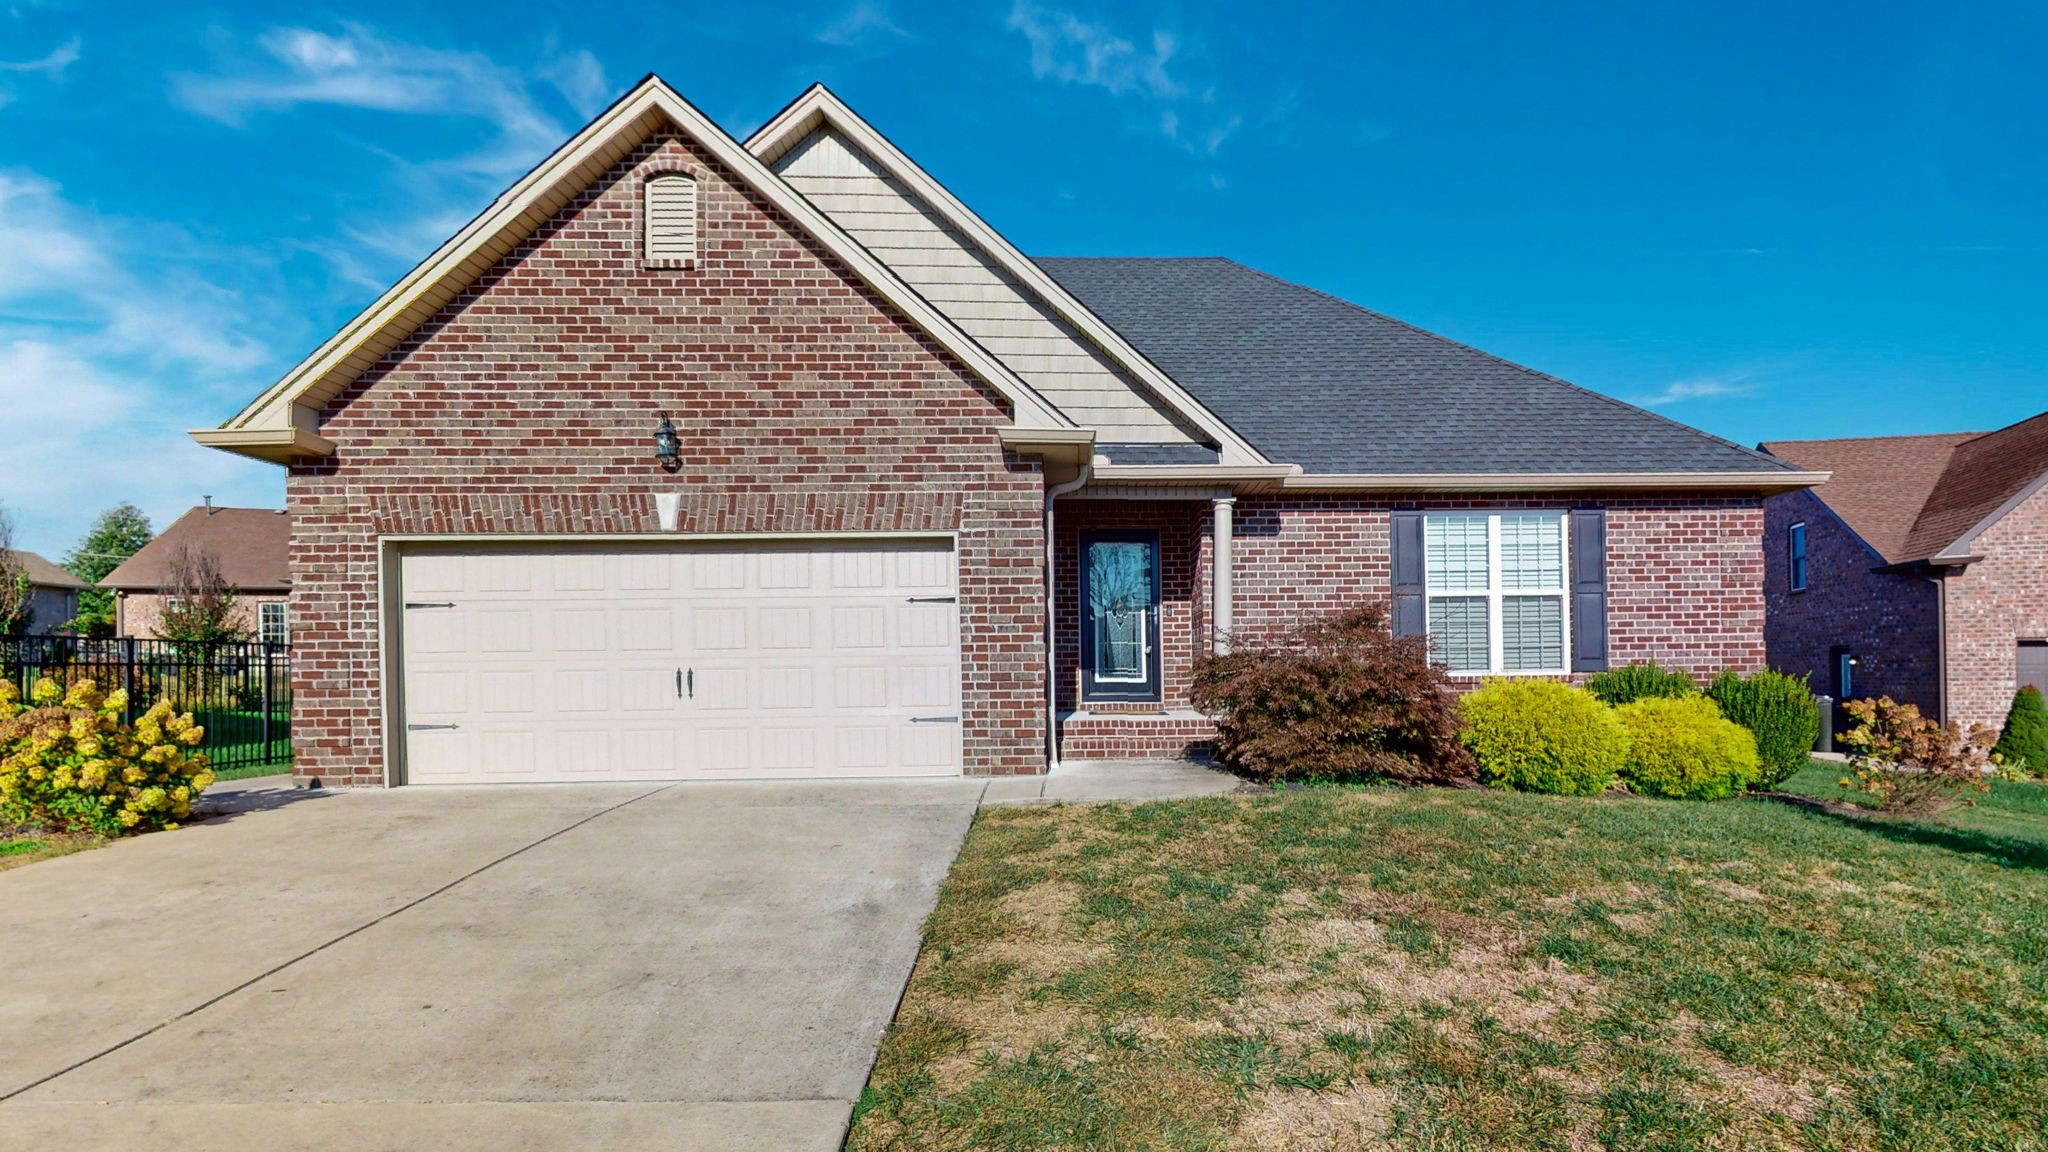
430	604
430	727
686	680
934	719
933	600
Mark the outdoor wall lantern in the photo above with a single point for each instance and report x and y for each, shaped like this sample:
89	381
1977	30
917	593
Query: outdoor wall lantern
667	446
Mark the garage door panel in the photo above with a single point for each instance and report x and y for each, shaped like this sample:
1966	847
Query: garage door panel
724	660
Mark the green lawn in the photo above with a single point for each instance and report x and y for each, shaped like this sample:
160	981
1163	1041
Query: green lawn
249	770
1350	968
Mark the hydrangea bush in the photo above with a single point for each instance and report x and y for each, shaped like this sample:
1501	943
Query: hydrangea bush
68	763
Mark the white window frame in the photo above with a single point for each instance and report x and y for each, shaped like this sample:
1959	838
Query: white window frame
1494	593
284	622
1798	566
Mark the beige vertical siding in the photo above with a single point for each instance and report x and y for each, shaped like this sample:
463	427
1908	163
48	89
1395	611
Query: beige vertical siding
974	293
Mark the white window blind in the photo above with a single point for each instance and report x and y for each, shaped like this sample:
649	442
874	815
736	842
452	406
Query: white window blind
671	220
1496	587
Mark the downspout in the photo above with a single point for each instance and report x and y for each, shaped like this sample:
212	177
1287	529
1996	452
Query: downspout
1940	583
1052	673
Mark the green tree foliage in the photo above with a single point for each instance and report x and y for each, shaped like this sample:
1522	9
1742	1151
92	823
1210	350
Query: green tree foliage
119	533
2024	742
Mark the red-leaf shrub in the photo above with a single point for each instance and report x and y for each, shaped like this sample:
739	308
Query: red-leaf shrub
1337	697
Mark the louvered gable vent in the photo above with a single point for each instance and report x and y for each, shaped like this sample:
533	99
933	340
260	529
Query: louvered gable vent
671	221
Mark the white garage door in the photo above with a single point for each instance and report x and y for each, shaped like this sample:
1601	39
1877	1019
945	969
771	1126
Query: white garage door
713	661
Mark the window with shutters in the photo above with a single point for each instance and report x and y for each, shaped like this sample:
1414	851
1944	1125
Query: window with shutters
671	224
1496	584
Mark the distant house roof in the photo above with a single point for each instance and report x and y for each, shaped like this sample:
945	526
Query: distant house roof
1917	497
42	573
252	546
1320	382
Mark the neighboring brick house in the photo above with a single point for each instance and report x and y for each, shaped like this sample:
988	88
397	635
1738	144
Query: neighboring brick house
252	547
693	458
52	594
1919	571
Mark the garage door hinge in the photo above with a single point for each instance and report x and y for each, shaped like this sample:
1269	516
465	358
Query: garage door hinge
430	727
932	600
934	719
430	604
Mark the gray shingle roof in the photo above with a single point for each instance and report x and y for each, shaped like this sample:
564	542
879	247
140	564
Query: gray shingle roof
1313	380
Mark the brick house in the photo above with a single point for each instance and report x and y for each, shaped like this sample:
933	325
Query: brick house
1919	571
251	546
700	458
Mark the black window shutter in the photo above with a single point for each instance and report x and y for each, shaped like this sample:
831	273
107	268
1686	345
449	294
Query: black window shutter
1411	599
1589	590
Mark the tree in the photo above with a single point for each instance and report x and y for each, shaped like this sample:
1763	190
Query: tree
119	533
200	606
14	589
2024	743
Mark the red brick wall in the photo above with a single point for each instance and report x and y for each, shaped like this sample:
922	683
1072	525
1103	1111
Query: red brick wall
1685	580
141	612
1885	619
1992	605
528	405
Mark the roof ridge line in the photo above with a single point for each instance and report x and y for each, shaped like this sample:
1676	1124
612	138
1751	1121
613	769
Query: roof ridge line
1781	465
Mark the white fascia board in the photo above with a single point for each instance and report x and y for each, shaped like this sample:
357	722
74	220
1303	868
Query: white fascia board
818	106
525	205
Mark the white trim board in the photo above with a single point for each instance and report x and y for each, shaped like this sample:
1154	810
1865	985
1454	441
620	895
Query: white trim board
292	402
819	107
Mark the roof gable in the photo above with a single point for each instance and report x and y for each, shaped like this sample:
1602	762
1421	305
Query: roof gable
41	573
1341	390
1916	498
282	422
252	545
818	110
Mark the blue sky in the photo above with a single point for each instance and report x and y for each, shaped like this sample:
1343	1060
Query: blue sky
1768	220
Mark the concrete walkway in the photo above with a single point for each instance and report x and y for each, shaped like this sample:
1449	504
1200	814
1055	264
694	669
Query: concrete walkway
1096	781
697	966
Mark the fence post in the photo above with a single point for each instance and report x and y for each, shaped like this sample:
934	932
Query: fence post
128	678
266	702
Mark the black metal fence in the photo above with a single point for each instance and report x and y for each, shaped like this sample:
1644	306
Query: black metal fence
241	694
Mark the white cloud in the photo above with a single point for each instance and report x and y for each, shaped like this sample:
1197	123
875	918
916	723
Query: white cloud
580	79
361	69
1700	388
108	352
867	22
53	65
1070	50
1067	48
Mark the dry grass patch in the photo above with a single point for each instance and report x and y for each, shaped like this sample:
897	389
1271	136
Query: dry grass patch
1434	970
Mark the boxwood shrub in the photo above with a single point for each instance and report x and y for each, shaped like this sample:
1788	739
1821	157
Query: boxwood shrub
1778	710
1684	748
1543	736
1640	682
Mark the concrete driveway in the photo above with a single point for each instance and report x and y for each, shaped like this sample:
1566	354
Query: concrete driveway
698	966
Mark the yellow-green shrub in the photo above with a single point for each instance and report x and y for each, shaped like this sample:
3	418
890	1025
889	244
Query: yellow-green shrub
1543	736
1684	747
68	763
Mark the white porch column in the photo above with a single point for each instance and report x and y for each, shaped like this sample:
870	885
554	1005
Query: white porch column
1222	507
